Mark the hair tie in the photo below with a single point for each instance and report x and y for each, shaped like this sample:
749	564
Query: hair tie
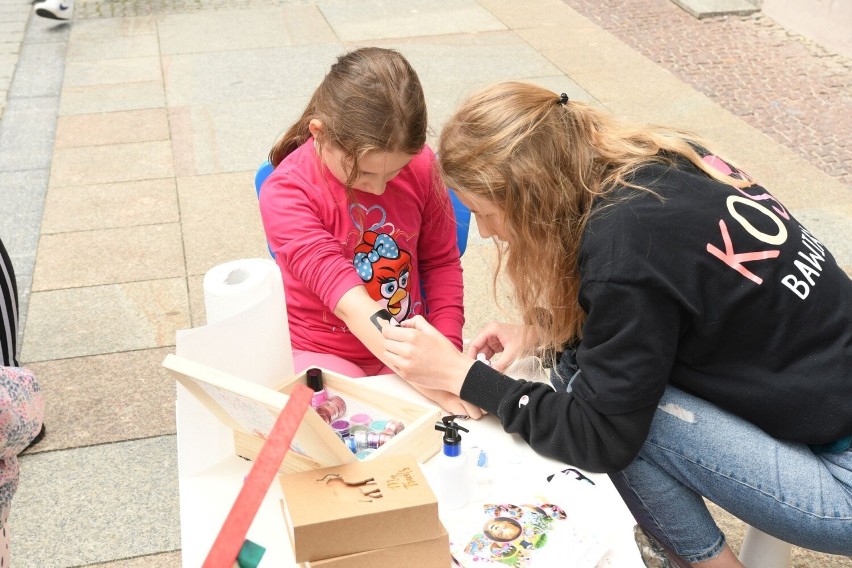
563	99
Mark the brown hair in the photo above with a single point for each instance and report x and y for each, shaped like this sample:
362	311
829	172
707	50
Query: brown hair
542	164
370	100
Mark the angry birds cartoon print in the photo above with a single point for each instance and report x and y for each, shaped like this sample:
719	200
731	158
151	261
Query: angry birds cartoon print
386	271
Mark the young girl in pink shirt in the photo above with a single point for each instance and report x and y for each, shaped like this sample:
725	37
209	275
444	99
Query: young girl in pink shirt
359	221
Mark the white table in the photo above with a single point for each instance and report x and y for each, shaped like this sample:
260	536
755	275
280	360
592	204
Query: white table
210	477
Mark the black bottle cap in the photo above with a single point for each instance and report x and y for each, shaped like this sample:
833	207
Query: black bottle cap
315	379
450	429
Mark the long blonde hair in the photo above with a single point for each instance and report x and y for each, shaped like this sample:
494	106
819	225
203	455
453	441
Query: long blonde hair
542	162
370	100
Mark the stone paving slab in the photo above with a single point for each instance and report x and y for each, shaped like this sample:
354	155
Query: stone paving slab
21	201
111	163
105	206
711	8
96	504
39	70
220	219
81	73
108	256
112	98
96	48
77	322
205	78
26	133
229	137
382	19
537	13
144	125
228	30
105	398
105	28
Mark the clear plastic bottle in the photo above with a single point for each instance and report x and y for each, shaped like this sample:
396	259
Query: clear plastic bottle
452	474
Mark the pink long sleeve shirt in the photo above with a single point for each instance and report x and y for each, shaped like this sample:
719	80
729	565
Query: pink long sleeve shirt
400	245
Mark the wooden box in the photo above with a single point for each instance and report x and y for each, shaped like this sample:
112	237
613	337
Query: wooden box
328	518
250	410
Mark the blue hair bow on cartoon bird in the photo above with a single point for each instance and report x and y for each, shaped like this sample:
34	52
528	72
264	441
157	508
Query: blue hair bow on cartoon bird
384	247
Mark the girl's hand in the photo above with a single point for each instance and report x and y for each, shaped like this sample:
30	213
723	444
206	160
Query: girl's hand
421	355
498	337
450	403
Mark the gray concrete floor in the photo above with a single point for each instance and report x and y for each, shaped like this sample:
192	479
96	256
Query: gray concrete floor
128	142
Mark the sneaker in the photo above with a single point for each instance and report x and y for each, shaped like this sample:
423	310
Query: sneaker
653	555
55	9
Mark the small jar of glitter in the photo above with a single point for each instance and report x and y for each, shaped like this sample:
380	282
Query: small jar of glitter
360	419
360	437
356	428
340	427
394	427
376	440
332	409
351	444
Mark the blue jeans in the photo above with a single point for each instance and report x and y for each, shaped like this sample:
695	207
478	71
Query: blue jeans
696	449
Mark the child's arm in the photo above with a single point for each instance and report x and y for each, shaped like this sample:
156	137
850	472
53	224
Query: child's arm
356	308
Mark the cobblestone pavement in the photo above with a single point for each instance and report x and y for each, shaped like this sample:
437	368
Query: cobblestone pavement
787	86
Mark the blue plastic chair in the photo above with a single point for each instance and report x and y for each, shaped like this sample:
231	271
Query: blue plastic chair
461	212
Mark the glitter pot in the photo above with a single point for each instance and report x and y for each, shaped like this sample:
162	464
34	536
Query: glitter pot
332	409
363	453
356	428
378	425
360	419
376	440
394	427
361	439
340	427
351	444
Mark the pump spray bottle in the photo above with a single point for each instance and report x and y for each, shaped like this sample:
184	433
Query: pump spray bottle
452	475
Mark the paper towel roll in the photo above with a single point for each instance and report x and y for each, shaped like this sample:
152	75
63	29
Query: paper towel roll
246	333
235	286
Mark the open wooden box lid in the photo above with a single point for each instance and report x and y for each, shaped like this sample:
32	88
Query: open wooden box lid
250	411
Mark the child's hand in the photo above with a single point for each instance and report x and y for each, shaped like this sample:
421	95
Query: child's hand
421	355
451	403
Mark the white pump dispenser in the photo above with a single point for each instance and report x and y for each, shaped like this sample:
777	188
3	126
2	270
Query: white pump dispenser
452	474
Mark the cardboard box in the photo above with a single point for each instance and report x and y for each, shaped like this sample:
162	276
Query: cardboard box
250	410
432	553
331	512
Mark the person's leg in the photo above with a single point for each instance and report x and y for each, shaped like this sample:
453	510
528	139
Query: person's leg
305	359
8	311
694	449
